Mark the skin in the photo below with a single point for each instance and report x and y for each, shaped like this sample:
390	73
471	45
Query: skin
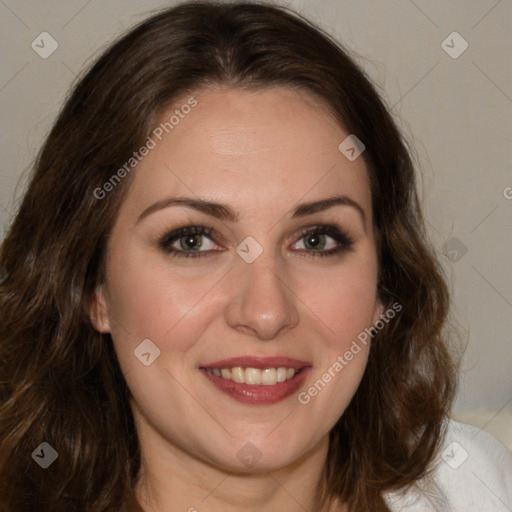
262	153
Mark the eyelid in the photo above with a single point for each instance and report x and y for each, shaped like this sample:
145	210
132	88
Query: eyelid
185	230
170	237
344	240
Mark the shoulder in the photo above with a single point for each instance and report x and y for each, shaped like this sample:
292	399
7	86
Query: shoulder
473	471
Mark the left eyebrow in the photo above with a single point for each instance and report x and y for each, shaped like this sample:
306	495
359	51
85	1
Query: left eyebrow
317	206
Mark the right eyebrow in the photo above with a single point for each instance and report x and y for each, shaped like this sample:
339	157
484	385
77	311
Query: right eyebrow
217	210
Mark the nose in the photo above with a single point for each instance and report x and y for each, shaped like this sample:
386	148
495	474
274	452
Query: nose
262	303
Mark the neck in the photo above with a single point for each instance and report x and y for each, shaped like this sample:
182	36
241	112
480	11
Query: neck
171	480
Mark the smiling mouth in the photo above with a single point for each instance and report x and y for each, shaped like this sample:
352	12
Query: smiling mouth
255	376
257	386
257	380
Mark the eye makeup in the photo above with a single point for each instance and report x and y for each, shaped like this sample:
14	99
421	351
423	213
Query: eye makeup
189	241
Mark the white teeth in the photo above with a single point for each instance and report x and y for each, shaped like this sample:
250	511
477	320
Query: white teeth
269	376
237	374
254	376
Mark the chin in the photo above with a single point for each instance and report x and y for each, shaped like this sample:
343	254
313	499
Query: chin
258	455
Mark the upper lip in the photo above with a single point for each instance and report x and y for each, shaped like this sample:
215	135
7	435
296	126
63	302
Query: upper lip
258	362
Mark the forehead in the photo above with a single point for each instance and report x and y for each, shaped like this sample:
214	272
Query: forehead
250	149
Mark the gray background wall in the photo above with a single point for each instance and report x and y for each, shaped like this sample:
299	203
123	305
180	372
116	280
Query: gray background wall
456	111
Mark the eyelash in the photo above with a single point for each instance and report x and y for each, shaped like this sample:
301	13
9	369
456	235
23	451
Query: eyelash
344	240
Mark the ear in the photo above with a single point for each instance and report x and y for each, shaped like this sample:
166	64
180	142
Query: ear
379	311
98	311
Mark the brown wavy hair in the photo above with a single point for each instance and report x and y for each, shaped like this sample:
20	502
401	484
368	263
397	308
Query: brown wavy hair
60	381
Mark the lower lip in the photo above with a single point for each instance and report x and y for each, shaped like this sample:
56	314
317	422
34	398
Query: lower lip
259	394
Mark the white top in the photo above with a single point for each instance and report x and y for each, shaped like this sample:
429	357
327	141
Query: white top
473	473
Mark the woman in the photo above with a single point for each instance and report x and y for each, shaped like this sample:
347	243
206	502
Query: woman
217	293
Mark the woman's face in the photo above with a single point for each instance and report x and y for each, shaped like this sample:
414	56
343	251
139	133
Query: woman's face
273	282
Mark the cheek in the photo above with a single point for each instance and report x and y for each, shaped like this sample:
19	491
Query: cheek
344	307
343	301
150	299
